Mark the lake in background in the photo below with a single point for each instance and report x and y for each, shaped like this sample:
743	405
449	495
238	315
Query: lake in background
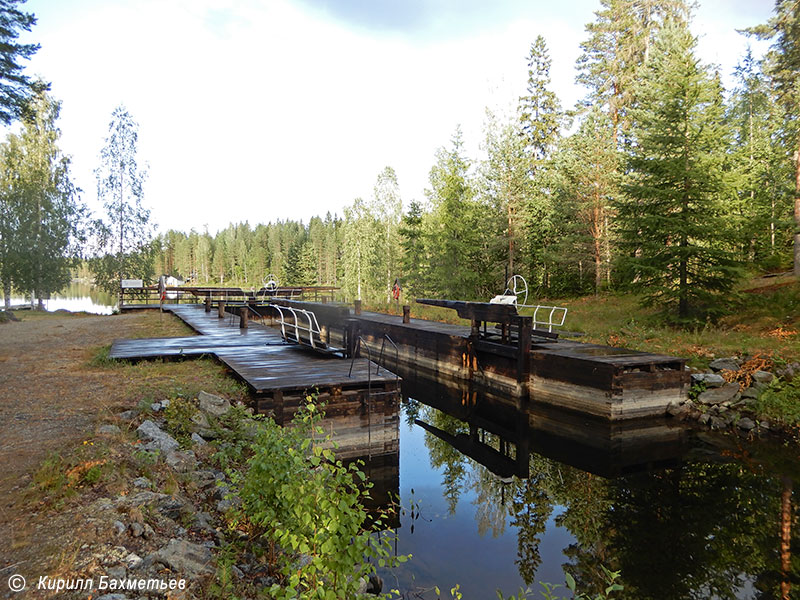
77	297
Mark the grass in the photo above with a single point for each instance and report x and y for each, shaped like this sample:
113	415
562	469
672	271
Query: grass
762	317
765	322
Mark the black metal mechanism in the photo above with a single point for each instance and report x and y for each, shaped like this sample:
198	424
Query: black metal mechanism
386	338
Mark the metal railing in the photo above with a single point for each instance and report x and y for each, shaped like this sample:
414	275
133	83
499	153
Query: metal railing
386	338
312	329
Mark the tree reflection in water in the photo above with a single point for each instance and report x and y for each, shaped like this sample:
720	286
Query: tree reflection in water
720	527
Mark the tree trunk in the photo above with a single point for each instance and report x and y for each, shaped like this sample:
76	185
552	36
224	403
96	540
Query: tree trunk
7	294
786	537
797	213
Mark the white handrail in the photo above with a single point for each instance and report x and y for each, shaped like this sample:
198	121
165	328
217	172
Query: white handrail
313	324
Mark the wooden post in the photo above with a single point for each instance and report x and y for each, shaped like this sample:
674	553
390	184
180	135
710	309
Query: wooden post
208	303
406	313
243	316
524	357
221	309
357	306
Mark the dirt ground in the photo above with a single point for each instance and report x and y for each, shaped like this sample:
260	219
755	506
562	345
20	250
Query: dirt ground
51	398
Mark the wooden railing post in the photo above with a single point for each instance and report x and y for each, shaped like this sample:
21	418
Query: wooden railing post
208	303
243	316
357	306
406	313
221	309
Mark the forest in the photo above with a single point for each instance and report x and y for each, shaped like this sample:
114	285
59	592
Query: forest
660	182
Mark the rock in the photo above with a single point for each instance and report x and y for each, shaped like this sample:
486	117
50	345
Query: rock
113	597
226	504
185	557
717	423
213	405
201	420
171	507
678	410
237	572
137	529
751	393
198	440
746	424
711	380
141	482
182	461
704	419
141	498
726	393
128	415
724	364
763	377
789	372
148	532
119	527
763	425
117	572
158	439
165	404
108	430
155	406
132	560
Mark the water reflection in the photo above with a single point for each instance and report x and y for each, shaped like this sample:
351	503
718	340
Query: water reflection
76	297
681	514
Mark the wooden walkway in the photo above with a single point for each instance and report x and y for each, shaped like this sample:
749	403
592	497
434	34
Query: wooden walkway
258	355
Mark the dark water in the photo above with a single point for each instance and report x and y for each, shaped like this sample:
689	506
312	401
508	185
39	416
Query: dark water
498	498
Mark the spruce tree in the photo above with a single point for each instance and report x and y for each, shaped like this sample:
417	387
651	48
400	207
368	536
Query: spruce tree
671	222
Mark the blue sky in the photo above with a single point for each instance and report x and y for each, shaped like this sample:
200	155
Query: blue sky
285	109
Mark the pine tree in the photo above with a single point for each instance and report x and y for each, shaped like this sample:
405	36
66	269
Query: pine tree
539	109
589	168
414	263
762	172
16	88
671	221
783	66
506	185
619	44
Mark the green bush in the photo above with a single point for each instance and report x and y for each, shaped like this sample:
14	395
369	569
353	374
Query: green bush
781	401
299	498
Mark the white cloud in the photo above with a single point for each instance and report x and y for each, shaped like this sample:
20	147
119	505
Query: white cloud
264	111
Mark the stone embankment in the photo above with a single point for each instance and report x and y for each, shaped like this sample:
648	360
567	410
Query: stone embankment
725	396
172	524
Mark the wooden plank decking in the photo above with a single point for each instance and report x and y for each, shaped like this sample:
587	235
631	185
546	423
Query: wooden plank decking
258	355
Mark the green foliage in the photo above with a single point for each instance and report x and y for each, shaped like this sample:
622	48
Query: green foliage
101	358
671	222
300	498
16	85
41	217
124	235
179	415
781	402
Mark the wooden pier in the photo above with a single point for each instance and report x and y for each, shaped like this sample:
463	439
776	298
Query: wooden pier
361	397
500	349
516	361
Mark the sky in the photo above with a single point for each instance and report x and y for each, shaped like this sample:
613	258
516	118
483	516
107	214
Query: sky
285	109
